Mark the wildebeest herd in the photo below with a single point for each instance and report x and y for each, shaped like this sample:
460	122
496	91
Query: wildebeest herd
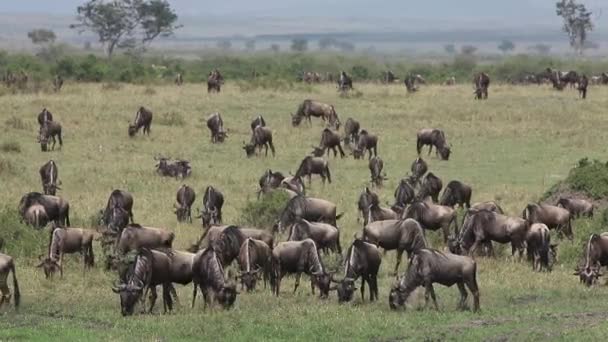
307	225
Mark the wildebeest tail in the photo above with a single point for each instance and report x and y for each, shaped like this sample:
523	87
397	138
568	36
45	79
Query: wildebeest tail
328	173
17	293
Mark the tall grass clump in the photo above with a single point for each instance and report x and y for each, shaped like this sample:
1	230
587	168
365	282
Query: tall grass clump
19	239
263	213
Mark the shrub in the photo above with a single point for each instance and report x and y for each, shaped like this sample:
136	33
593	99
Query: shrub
171	119
10	146
587	177
263	213
20	240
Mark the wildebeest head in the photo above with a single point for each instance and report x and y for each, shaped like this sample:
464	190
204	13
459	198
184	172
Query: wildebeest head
296	120
444	152
43	138
221	136
396	297
132	130
250	278
249	149
181	212
119	218
345	289
129	295
209	217
226	296
49	266
589	275
322	280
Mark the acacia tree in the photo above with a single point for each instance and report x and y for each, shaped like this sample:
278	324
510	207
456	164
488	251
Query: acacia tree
577	22
506	46
126	23
41	36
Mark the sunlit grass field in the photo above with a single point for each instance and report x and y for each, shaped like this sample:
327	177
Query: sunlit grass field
510	149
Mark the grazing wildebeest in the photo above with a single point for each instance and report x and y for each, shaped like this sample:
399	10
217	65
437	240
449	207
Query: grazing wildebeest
314	166
135	236
375	168
418	168
410	82
576	207
539	248
366	142
433	137
388	77
325	236
486	226
36	216
119	199
211	234
261	137
482	83
308	208
7	265
366	198
143	119
363	260
57	83
431	186
213	201
401	235
309	108
48	131
67	241
216	127
433	217
594	257
583	83
56	208
271	180
351	131
570	77
48	175
428	266
554	217
179	79
228	244
345	82
294	184
149	269
456	193
185	198
255	260
258	121
44	117
208	274
329	140
214	81
299	257
179	168
604	77
404	194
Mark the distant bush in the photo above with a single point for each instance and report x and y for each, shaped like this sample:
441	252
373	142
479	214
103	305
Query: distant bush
588	177
17	123
10	146
264	213
171	119
20	240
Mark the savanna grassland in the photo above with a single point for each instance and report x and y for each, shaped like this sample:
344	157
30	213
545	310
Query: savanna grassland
510	148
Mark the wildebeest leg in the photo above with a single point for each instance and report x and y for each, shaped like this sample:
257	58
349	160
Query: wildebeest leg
363	290
474	246
418	146
271	148
54	141
194	290
295	288
153	297
472	285
430	149
399	255
430	290
60	140
463	296
335	151
373	287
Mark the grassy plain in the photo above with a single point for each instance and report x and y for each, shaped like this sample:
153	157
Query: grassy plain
510	148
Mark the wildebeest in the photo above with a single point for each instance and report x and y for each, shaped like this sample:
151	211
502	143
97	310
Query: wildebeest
185	198
215	123
428	266
375	169
410	83
431	186
48	175
325	236
456	193
149	269
569	77
554	217
309	108
228	244
299	257
258	121
329	140
308	208
404	194
48	131
482	83
294	184
135	236
583	83
143	119
56	208
433	137
418	168
179	79
351	131
401	235
208	274
7	265
594	257
119	199
67	241
214	81
211	234
489	206
57	83
366	142
345	82
486	226
44	116
36	216
576	207
314	166
261	137
179	168
388	77
539	248
213	201
377	213
433	217
271	179
255	260
363	260
366	198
